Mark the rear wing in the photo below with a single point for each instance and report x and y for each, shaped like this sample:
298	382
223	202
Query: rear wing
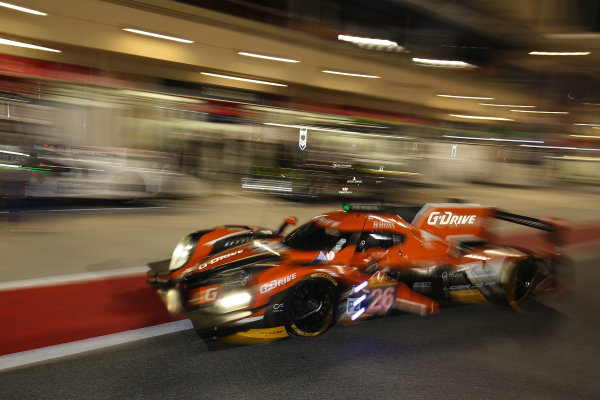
526	221
557	229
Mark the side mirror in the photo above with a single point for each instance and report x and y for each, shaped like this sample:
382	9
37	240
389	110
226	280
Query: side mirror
291	221
286	222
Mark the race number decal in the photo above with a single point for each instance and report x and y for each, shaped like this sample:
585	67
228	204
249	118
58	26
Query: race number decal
381	300
353	306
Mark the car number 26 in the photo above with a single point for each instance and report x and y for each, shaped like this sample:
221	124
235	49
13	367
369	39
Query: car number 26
381	300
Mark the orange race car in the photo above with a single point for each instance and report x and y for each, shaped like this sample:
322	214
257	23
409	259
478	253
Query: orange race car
364	261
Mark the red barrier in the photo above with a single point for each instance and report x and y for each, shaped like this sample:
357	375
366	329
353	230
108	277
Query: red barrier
48	315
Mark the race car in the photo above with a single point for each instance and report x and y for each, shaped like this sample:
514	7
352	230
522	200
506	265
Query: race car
364	261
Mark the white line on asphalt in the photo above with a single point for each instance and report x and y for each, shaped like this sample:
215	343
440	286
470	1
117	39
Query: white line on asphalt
244	197
80	346
79	277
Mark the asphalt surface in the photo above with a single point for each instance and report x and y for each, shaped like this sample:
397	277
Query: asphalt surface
547	350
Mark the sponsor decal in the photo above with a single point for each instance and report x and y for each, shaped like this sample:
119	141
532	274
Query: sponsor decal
337	165
275	283
217	259
328	222
382	225
330	255
422	284
473	286
345	191
448	218
354	180
204	295
278	307
325	276
267	333
453	275
468	296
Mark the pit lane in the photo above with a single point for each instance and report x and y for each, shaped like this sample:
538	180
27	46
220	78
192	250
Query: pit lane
482	351
548	350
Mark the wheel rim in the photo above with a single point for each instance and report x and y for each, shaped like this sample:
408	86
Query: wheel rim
522	283
311	308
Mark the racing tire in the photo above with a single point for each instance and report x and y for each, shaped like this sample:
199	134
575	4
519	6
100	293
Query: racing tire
310	308
520	281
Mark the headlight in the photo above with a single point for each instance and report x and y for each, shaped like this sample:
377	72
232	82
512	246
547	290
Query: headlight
182	253
173	301
235	300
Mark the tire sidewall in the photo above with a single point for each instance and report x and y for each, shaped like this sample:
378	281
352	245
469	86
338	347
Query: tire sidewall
510	280
332	293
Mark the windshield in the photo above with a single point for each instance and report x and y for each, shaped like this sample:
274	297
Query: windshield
313	237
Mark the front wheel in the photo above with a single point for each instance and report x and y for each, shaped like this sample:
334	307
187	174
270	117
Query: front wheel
310	308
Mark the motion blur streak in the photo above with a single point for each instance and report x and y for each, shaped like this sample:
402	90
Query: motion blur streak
114	145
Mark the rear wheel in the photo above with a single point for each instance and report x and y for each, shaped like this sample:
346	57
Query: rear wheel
310	308
520	281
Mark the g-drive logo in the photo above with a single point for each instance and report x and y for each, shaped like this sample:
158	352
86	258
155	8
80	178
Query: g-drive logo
217	259
436	218
267	287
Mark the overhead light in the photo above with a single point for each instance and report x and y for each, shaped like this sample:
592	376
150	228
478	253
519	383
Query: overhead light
494	139
16	153
559	147
156	35
4	98
586	136
27	45
237	78
465	97
559	53
442	63
312	128
587	124
592	104
504	105
540	112
480	117
319	129
371	44
23	9
288	60
350	74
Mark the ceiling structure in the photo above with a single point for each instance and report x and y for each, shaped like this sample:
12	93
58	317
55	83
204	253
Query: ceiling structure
495	38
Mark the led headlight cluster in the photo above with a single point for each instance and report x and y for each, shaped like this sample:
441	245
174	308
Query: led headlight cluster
235	300
182	253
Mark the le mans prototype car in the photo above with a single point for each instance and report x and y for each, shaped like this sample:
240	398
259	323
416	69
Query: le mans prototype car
365	261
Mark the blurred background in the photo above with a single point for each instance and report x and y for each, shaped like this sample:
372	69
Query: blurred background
127	124
308	99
